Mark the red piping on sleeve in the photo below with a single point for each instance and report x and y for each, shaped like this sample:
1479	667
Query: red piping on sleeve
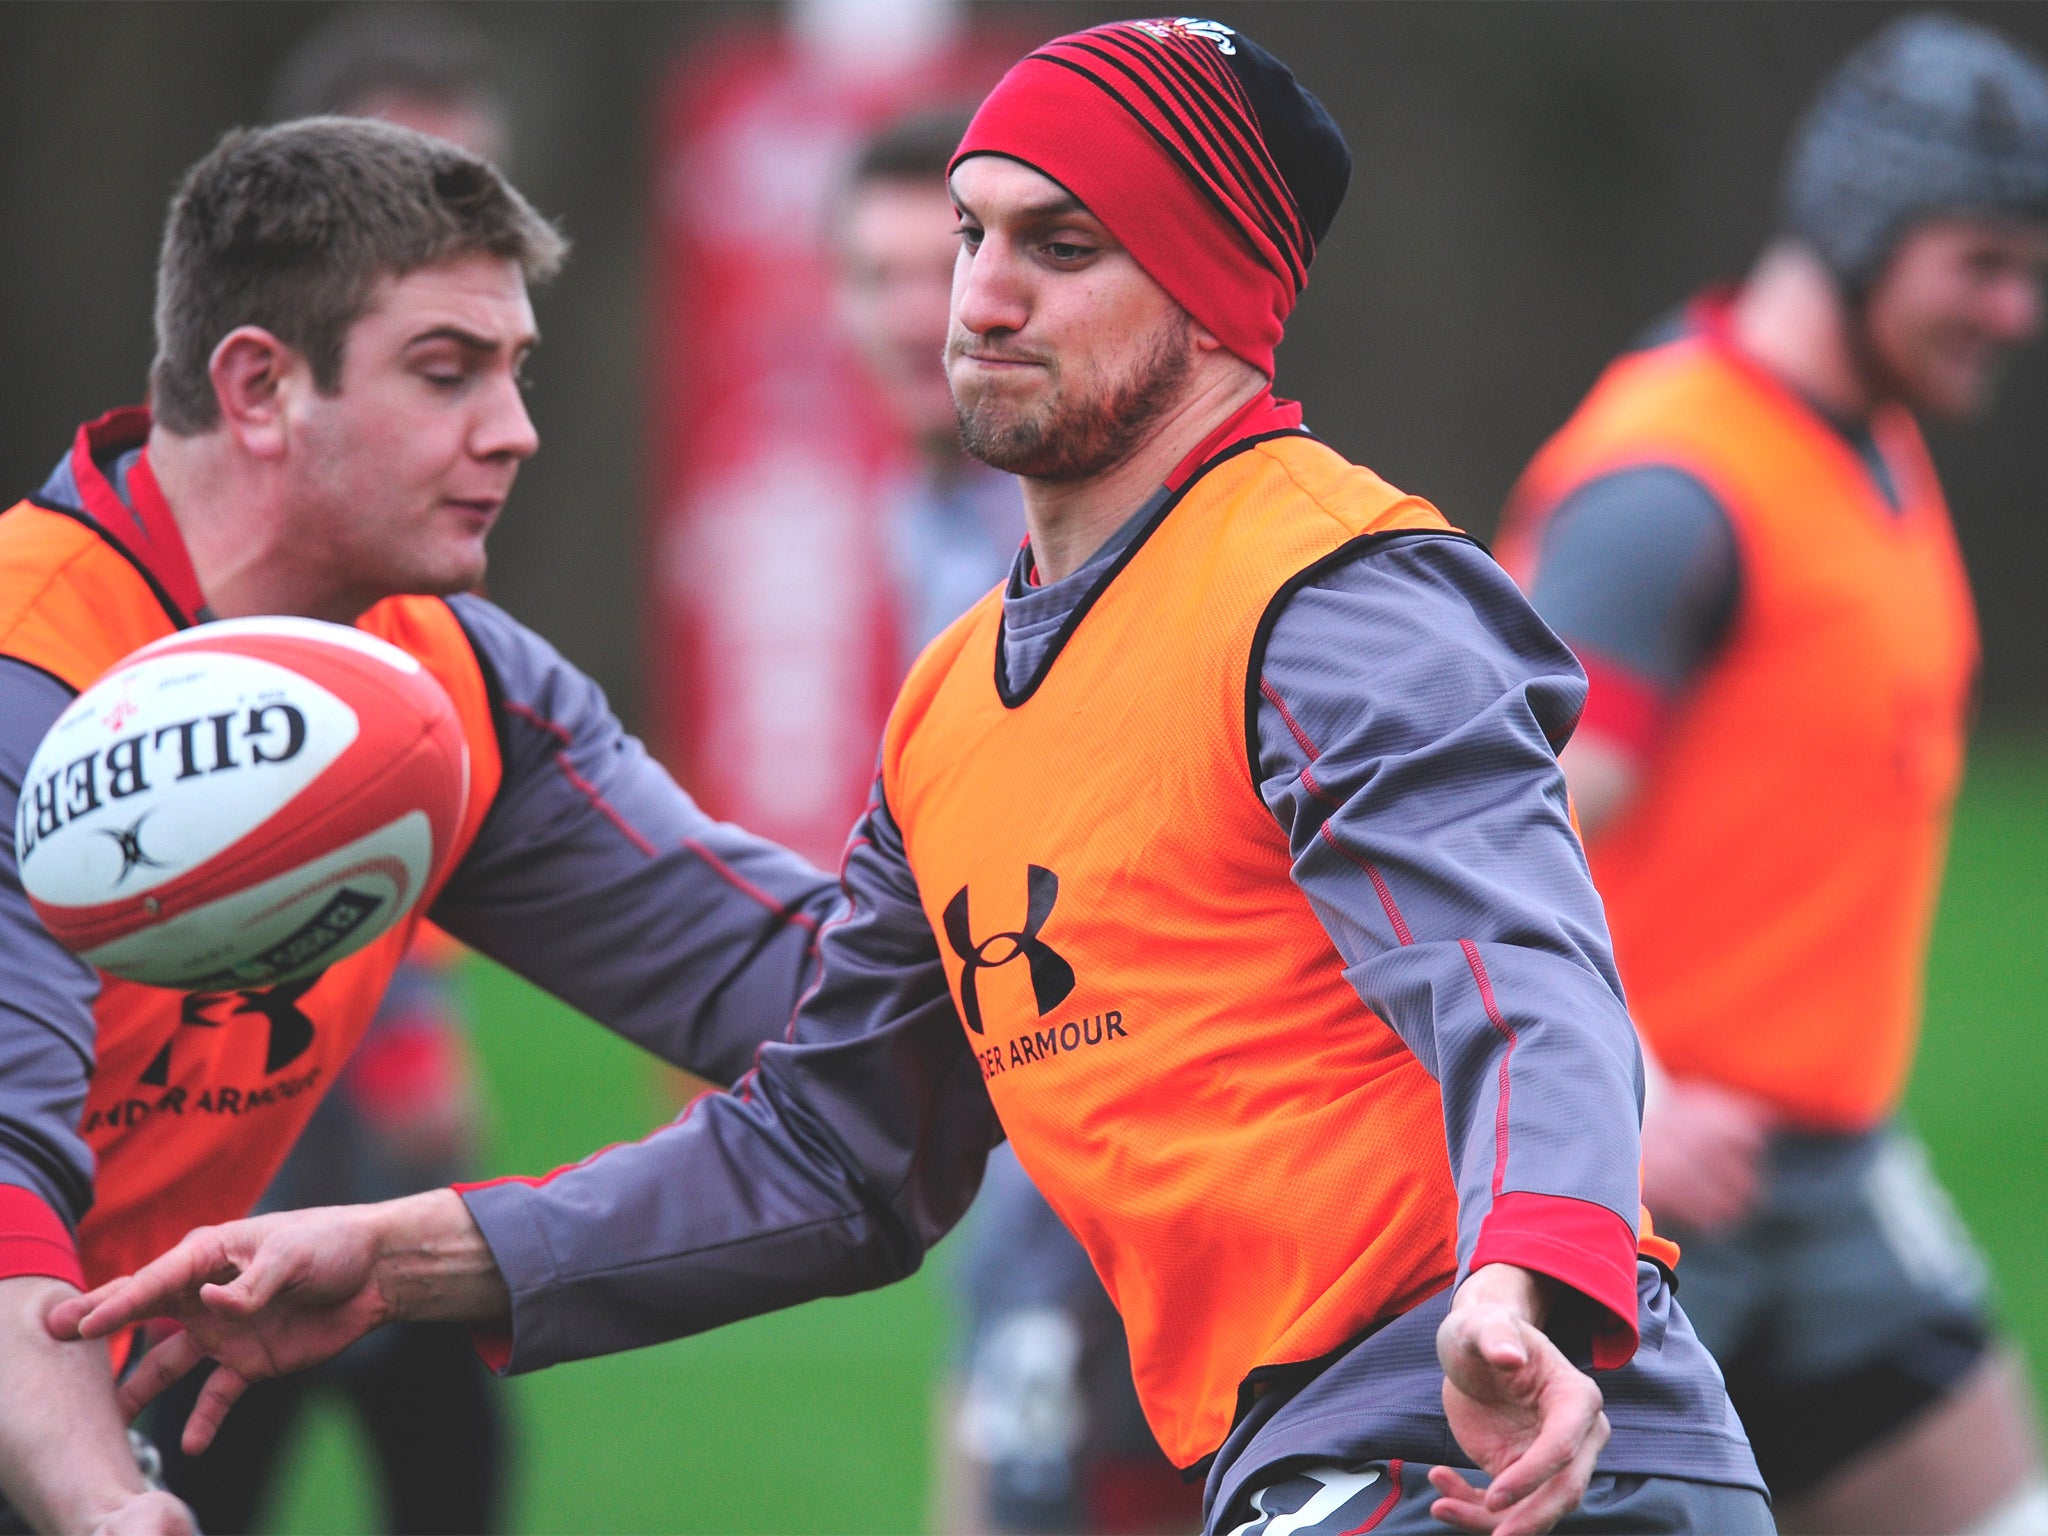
1308	780
1382	890
493	1344
1272	697
1623	708
34	1239
1576	1243
746	887
1507	1033
589	790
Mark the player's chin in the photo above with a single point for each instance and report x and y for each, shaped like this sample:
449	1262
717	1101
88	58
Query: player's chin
456	567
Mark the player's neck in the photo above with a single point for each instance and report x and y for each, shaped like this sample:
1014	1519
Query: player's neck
242	548
1790	317
1069	520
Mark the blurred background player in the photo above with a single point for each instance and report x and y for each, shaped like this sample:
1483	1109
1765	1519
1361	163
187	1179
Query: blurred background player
1046	1431
1741	534
405	1115
954	524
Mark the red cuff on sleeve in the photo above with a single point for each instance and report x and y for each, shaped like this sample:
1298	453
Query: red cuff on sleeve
493	1346
1623	708
34	1239
1576	1243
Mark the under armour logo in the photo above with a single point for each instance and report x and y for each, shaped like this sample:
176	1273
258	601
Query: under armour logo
1051	977
129	840
1192	26
290	1028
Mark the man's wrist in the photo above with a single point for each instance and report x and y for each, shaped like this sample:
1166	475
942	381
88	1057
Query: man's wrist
432	1263
1526	1294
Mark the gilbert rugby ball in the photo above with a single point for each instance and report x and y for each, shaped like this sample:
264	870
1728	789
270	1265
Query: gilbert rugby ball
241	804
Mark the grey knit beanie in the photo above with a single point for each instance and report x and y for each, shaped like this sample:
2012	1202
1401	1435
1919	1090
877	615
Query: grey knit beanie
1932	115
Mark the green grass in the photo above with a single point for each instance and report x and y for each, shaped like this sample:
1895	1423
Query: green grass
811	1420
1980	1089
816	1420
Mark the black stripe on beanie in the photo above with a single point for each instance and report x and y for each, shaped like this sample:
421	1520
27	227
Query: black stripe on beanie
1301	136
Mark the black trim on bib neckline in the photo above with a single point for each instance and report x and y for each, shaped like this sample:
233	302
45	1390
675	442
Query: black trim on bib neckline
1343	554
1115	567
177	616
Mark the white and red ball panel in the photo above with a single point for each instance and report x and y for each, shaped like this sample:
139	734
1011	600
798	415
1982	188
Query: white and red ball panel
242	803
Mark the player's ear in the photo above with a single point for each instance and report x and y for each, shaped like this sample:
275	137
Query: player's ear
248	371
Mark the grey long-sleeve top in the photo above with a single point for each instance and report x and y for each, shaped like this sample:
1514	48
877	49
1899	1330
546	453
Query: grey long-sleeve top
1413	708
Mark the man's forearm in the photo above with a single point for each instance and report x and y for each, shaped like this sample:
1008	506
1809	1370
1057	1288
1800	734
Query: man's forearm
432	1263
64	1455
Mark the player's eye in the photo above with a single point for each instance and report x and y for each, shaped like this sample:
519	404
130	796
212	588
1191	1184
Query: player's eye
1067	250
970	235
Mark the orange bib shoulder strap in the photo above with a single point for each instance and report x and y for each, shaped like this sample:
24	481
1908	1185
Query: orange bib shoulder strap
71	603
426	627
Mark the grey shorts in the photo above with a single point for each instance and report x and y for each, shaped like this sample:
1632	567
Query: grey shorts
1850	1301
1392	1498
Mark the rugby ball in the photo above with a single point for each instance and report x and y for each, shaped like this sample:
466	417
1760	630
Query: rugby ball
241	804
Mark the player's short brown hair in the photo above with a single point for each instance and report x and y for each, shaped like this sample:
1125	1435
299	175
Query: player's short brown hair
291	228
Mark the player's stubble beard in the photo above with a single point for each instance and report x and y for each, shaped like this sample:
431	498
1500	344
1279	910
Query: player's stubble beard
1066	437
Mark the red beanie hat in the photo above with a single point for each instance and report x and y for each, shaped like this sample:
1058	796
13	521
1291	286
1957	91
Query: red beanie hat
1196	148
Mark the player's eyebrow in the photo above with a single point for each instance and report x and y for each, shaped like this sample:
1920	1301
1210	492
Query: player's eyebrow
1064	205
471	340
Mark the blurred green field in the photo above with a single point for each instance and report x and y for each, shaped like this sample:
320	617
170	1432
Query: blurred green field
816	1420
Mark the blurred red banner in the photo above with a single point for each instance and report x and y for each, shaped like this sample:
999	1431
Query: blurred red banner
772	650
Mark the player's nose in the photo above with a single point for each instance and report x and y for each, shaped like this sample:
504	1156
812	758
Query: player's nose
505	429
989	293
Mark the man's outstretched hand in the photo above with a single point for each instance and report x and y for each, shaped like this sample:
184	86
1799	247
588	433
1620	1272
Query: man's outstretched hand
1523	1412
282	1293
265	1296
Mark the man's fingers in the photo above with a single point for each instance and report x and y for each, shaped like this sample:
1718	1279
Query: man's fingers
215	1399
1460	1504
1563	1440
157	1370
62	1320
1551	1452
1464	1514
1450	1482
1559	1495
269	1271
153	1289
